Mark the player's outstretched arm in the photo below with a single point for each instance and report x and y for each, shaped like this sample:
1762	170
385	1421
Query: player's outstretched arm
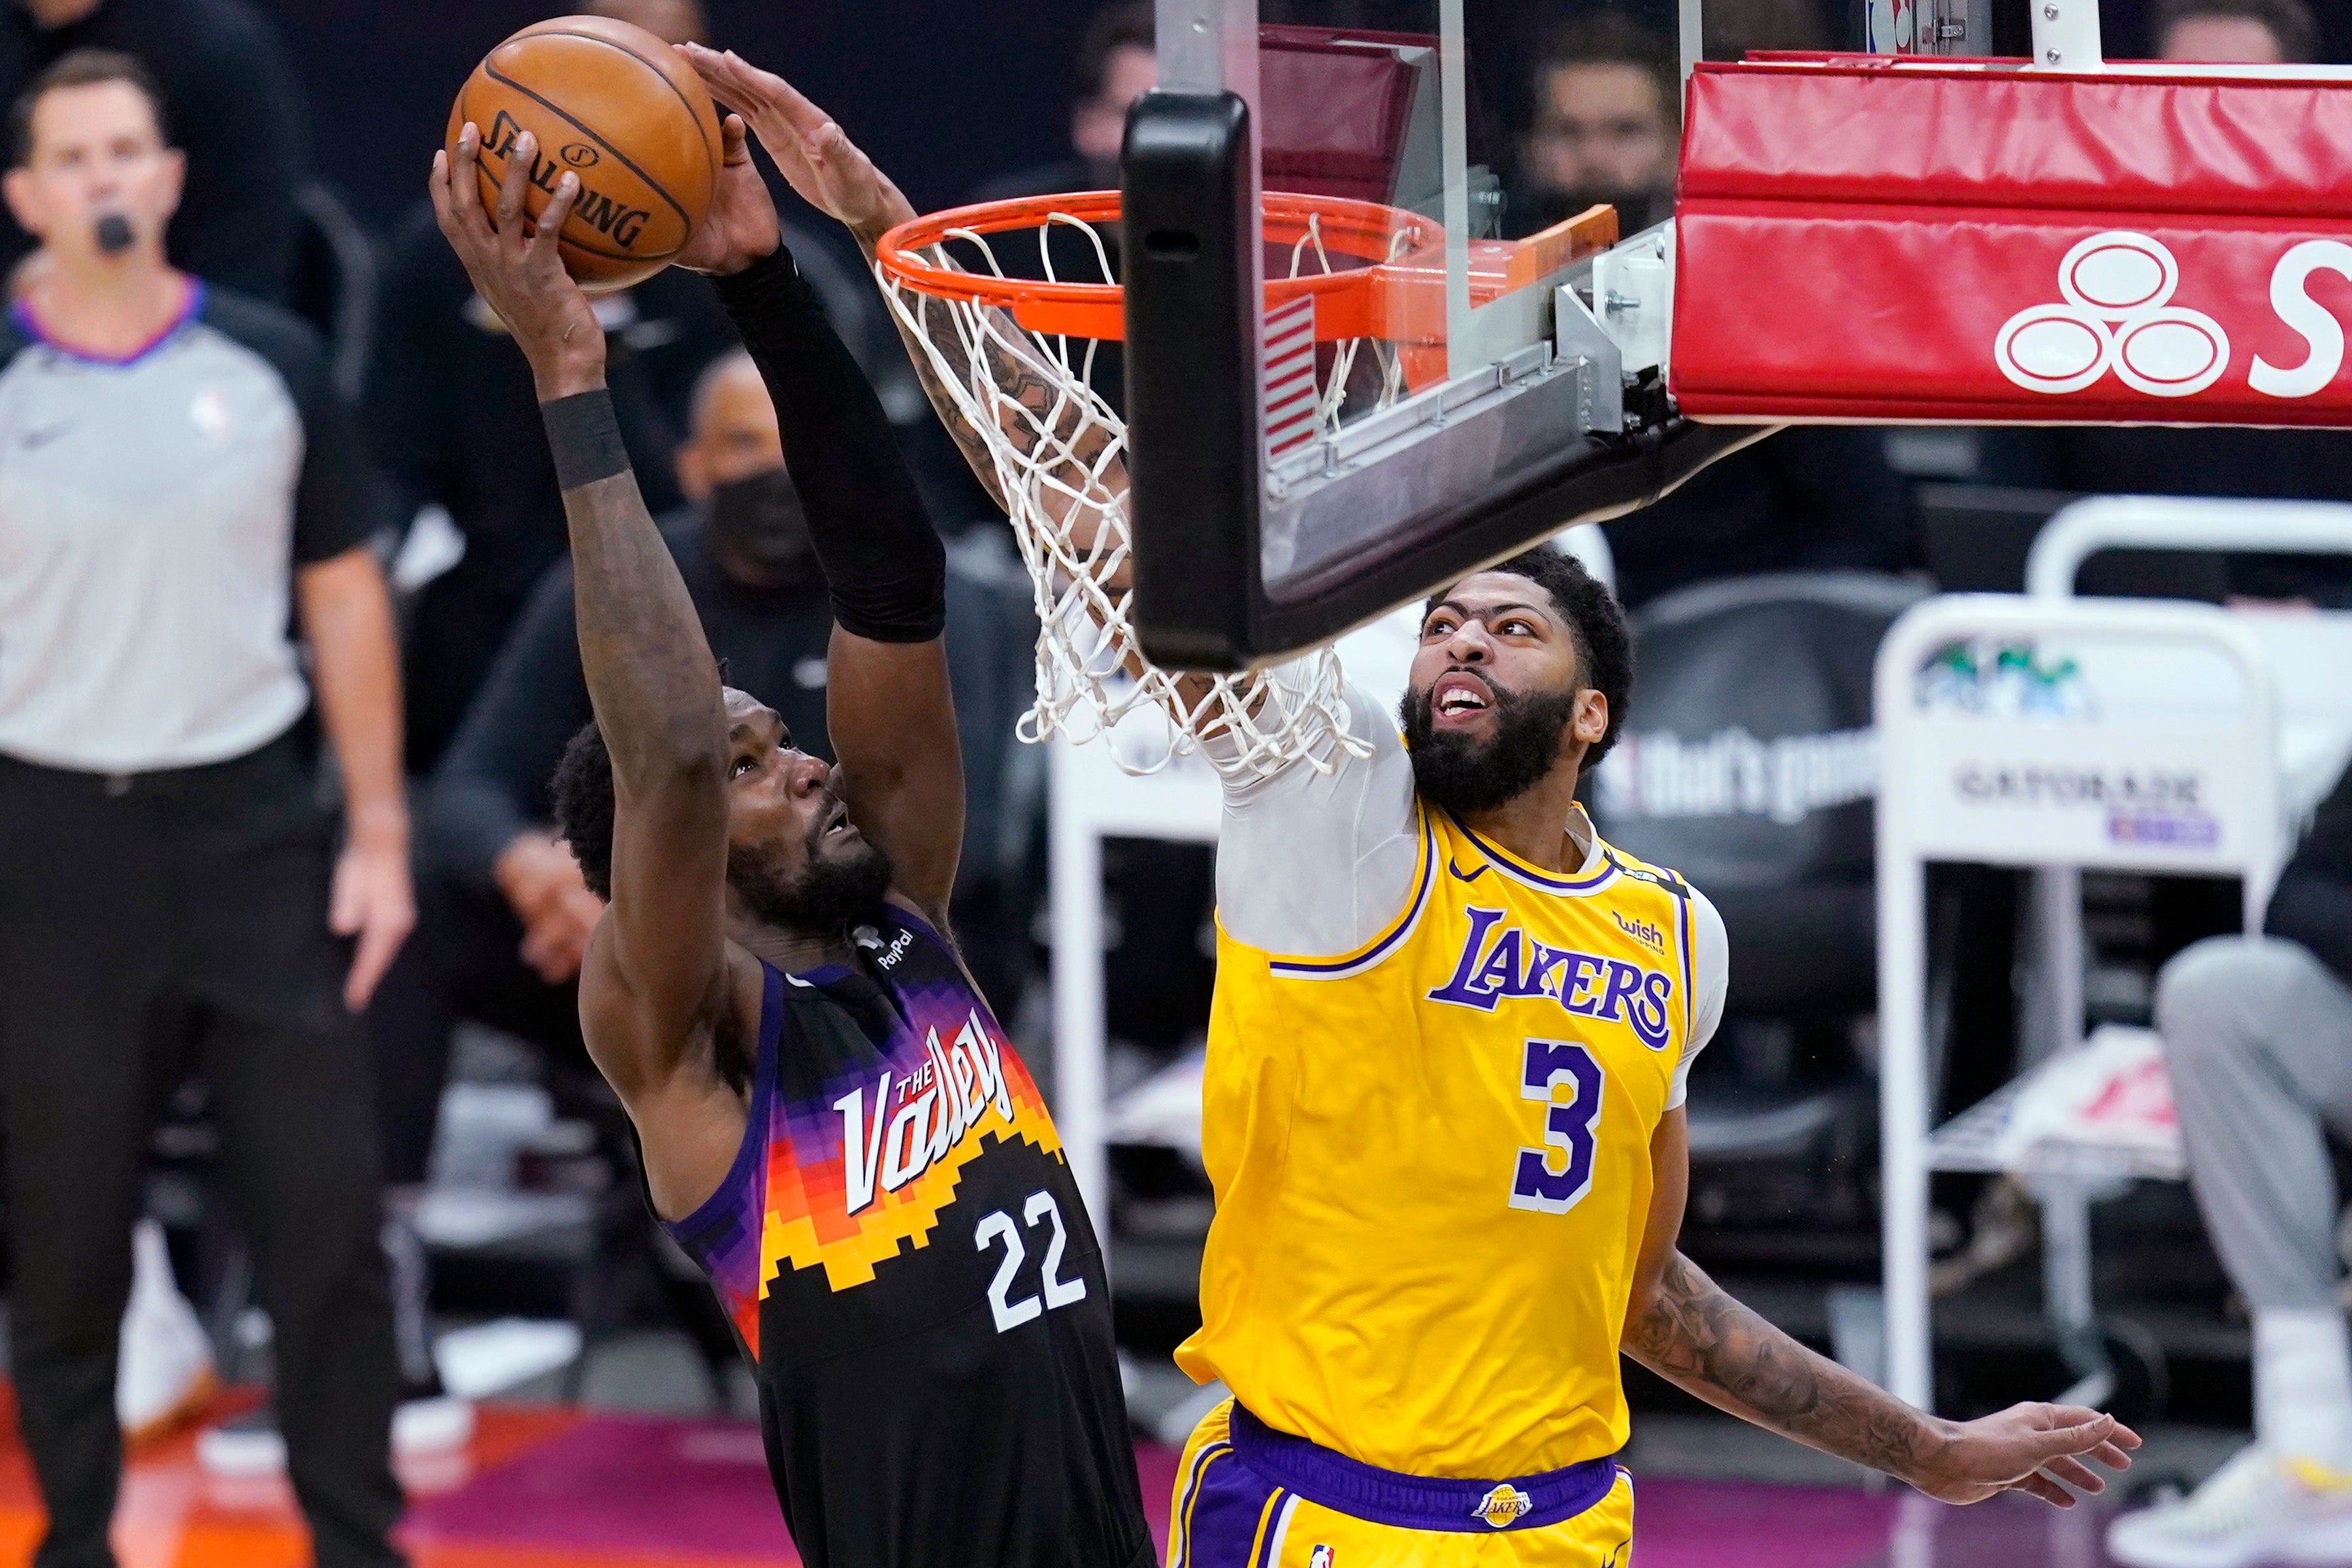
888	703
1686	1329
657	967
829	171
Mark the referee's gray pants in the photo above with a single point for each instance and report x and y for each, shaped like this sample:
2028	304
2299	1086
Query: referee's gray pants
2258	1040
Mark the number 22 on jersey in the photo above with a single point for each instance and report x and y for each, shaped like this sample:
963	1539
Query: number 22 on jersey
1568	1127
998	1228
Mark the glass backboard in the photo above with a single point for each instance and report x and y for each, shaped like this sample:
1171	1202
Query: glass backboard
1351	369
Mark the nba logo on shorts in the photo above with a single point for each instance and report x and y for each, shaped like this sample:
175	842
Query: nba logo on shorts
1322	1557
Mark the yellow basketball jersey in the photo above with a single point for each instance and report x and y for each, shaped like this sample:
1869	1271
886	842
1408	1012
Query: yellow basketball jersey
1432	1163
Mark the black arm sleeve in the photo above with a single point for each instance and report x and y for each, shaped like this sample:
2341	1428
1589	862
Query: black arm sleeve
2312	902
492	784
882	560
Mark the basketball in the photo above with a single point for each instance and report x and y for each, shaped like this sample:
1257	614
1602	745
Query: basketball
613	104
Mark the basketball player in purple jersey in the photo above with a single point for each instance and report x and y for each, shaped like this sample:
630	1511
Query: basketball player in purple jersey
834	1126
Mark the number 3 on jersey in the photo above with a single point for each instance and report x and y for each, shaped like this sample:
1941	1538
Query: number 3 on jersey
1059	1292
1567	1127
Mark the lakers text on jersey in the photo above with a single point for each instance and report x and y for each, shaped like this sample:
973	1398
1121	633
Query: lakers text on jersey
1432	1163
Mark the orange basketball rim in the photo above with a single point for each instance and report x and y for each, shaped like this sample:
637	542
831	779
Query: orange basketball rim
1380	271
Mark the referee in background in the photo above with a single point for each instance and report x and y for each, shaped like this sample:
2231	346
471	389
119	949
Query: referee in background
177	487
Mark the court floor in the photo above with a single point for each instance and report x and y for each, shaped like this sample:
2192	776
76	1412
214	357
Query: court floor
544	1485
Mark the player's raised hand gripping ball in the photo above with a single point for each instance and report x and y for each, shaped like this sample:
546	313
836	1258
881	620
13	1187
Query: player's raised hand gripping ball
614	105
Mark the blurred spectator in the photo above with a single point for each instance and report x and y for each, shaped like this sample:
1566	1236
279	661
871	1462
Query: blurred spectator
1809	498
231	104
1607	110
1115	66
178	485
2252	32
2258	1039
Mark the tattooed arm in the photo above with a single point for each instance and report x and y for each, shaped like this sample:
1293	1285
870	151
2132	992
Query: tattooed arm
662	990
1685	1328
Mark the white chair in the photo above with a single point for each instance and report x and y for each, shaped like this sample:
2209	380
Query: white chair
2126	735
2310	651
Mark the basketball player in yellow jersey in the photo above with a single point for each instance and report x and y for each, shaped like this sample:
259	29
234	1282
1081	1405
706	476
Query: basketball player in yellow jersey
1443	1113
1443	1106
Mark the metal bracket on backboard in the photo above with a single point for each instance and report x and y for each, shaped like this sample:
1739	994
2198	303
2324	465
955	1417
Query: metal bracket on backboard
1587	350
1634	297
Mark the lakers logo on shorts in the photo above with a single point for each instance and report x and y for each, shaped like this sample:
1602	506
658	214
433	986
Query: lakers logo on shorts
1500	1507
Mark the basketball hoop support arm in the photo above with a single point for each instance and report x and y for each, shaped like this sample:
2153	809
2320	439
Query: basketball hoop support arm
2066	34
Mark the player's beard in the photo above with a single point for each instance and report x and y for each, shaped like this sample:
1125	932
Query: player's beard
831	893
1465	775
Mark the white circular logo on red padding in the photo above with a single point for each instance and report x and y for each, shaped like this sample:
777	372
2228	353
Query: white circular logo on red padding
2170	353
2115	274
2053	348
2117	316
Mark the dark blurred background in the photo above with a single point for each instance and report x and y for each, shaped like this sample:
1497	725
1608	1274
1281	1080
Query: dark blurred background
944	93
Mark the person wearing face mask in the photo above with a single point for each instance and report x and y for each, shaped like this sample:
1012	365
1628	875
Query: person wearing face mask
503	915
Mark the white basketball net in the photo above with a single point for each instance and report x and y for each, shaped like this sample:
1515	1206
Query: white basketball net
1060	462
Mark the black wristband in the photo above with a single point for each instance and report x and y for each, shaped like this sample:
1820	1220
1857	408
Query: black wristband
584	434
